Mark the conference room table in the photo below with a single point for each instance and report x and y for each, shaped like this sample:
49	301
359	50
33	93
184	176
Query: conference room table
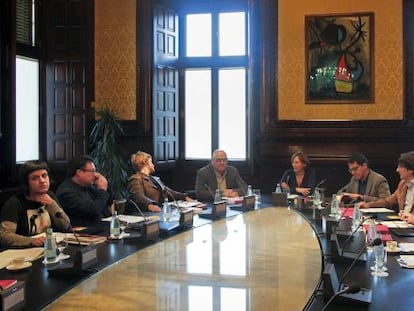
271	258
267	259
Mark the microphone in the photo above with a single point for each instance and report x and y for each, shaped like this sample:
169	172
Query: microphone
84	258
355	230
336	223
59	215
351	289
320	183
209	190
240	186
138	209
150	228
376	242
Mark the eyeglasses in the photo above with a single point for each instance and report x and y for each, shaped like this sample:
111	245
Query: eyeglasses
89	171
353	169
224	160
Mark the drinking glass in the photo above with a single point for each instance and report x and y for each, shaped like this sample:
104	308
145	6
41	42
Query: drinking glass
257	194
316	198
62	243
380	268
371	235
166	212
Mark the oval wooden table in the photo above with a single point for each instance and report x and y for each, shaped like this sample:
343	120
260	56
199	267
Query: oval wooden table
268	259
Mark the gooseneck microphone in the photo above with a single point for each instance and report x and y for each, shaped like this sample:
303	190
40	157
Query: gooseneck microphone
138	209
351	289
355	230
320	183
376	242
209	190
59	215
239	183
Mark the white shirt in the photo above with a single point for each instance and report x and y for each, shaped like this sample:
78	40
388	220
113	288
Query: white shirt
408	204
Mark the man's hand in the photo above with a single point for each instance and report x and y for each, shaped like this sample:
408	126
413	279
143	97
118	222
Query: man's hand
39	241
101	182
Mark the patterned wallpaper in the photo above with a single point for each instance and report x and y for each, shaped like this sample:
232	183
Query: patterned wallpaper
115	59
388	61
115	56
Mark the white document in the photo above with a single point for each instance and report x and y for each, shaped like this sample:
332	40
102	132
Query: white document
188	204
31	254
396	224
375	210
407	247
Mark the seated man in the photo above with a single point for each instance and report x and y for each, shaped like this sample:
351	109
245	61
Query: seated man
84	193
403	197
31	212
149	191
219	175
365	184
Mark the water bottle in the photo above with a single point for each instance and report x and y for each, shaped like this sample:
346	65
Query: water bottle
356	217
115	225
372	231
50	247
217	196
278	189
249	190
335	206
166	210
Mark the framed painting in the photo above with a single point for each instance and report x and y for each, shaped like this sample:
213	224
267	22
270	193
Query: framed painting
339	58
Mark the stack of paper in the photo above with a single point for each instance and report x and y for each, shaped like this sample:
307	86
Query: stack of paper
406	261
407	247
31	254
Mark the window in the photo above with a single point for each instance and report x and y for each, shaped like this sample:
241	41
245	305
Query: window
27	82
27	109
215	78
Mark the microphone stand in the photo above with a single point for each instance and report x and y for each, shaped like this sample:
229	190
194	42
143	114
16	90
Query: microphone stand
376	242
186	216
351	289
209	191
355	230
85	257
150	229
59	215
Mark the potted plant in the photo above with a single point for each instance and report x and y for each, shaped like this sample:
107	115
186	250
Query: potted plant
104	143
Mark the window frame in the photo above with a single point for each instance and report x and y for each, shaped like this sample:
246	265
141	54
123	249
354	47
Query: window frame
214	63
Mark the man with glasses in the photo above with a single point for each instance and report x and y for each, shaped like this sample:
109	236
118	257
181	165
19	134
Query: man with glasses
365	184
84	194
219	175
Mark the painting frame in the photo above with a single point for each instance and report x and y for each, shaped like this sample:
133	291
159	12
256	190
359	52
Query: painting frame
339	51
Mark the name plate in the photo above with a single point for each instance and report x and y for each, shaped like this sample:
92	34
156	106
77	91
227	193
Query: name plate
186	219
13	298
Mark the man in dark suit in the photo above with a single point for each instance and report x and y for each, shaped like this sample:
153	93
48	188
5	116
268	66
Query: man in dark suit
219	175
365	184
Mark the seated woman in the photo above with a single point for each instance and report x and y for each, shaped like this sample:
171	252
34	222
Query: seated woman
27	214
149	191
300	179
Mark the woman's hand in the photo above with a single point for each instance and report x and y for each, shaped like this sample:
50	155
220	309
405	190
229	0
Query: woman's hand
154	208
304	191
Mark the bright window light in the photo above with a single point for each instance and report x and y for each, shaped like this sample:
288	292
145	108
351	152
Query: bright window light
198	35
232	39
232	112
198	114
27	109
